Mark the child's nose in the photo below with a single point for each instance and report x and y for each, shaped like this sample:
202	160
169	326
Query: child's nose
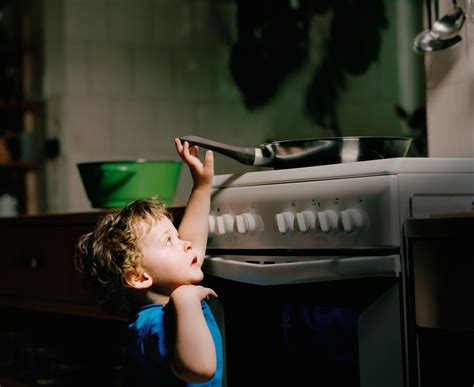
187	246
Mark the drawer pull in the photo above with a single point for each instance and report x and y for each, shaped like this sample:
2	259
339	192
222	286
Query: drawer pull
33	263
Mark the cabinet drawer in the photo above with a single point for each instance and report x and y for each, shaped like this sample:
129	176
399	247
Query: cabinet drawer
38	262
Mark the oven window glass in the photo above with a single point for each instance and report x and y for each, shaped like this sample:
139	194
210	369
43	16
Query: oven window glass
294	335
319	343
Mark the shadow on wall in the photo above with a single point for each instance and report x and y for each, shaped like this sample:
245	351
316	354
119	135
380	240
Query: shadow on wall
273	41
416	123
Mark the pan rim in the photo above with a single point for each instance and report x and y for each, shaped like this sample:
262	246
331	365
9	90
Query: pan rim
339	139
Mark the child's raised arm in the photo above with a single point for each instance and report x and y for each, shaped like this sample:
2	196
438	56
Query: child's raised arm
194	225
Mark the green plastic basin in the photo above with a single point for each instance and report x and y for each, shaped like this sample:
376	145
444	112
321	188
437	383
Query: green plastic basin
114	184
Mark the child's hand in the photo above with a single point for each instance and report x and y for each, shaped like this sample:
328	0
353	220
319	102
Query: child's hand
202	173
192	292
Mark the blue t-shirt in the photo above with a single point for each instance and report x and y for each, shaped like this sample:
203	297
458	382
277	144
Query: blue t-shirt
151	335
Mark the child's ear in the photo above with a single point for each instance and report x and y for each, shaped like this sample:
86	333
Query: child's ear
138	279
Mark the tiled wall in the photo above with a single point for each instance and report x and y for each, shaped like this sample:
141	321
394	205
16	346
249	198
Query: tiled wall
124	77
450	95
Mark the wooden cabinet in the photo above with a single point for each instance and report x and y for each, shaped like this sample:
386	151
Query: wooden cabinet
37	263
36	267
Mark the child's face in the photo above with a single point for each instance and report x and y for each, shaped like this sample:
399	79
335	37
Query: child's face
168	260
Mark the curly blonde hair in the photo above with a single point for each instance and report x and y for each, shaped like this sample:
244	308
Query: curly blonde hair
104	255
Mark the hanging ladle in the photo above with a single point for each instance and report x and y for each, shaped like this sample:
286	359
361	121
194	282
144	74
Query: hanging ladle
424	42
443	33
449	25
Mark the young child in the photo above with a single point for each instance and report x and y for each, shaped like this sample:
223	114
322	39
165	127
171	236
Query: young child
139	265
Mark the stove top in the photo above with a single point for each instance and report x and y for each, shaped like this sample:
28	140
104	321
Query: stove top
341	206
393	166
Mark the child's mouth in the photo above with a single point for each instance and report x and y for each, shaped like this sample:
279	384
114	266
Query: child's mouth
195	260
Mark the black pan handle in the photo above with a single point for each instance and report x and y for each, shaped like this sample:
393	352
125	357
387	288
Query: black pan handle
245	155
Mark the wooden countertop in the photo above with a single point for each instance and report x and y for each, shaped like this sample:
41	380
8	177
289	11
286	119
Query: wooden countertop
74	217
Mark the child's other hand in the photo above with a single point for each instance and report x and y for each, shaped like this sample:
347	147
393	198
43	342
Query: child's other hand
192	292
202	172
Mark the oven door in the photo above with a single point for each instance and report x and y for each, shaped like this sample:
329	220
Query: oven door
313	320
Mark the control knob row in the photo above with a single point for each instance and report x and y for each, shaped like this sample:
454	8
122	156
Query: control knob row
327	220
285	222
227	223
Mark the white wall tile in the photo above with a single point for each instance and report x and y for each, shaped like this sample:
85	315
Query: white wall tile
469	47
87	122
54	27
71	195
56	185
174	118
78	198
76	75
386	79
284	114
130	21
360	89
379	81
172	22
65	190
109	69
464	113
132	126
85	20
195	72
223	122
153	71
375	119
225	85
213	24
54	116
53	75
442	122
447	66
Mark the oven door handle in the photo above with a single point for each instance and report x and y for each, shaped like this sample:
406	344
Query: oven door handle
317	270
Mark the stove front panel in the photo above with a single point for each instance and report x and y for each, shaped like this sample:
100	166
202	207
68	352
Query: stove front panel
341	213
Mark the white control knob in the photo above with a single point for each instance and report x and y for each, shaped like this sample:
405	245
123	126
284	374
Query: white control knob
224	224
327	220
351	219
284	222
245	223
212	224
305	221
220	226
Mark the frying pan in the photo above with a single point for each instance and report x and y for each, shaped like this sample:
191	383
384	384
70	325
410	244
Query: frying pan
310	151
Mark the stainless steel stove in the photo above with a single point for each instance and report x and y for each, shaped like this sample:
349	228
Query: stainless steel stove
356	208
331	225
